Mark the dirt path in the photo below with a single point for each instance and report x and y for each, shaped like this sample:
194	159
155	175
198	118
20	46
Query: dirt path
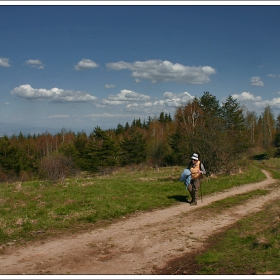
135	245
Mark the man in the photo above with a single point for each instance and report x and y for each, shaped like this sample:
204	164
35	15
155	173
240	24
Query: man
197	171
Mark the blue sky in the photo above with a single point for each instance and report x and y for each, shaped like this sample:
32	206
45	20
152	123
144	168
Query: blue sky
78	67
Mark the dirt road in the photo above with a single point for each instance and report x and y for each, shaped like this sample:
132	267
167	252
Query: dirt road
135	245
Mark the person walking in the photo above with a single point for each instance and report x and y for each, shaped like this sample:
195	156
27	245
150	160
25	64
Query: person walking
197	170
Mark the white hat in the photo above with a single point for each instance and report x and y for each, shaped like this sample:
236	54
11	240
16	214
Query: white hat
194	156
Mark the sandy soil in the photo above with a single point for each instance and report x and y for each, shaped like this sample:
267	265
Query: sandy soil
140	244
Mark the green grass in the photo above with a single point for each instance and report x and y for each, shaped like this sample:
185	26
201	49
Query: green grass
272	165
37	209
221	183
220	205
251	247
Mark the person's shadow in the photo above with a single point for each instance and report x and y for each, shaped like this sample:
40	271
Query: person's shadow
181	198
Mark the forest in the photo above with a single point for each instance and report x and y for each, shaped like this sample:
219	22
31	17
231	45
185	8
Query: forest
225	135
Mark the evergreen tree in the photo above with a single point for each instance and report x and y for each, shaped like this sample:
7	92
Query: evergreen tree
161	118
119	130
9	160
277	134
101	150
133	148
210	105
80	143
232	114
269	127
127	127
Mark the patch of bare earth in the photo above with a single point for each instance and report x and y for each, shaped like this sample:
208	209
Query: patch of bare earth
143	244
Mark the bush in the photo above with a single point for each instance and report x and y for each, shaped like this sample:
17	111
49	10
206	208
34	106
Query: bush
57	167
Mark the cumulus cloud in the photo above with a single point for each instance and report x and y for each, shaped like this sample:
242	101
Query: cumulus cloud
110	86
35	63
168	103
165	71
125	96
54	94
246	96
172	100
135	107
274	103
86	64
256	82
175	100
4	62
256	103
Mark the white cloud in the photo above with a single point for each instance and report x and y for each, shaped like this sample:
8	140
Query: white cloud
165	71
58	117
170	101
273	76
121	65
4	62
255	103
125	96
110	86
106	115
142	104
246	96
35	63
7	103
274	103
256	81
176	100
54	94
134	107
86	64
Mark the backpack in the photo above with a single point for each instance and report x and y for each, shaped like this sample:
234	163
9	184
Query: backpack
186	177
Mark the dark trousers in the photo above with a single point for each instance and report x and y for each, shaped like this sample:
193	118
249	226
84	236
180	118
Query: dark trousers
193	189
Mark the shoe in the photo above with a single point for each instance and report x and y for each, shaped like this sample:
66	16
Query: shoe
193	203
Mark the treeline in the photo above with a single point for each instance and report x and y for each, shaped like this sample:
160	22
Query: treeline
221	133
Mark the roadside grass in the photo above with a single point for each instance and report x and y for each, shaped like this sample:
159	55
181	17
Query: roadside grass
218	206
250	248
272	165
221	183
38	209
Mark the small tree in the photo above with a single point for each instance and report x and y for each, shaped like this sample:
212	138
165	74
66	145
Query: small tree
268	127
133	149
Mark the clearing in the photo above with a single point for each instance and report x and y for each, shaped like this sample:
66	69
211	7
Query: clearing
144	243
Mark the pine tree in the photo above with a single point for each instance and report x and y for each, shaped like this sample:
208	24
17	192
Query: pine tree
133	148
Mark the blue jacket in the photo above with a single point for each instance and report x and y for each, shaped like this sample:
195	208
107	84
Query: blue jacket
186	177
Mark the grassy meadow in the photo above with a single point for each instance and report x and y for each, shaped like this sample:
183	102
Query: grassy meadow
38	209
251	246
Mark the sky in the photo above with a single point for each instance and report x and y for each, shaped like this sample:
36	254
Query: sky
76	67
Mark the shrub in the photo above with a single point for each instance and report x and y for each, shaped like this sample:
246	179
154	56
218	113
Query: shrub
57	167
